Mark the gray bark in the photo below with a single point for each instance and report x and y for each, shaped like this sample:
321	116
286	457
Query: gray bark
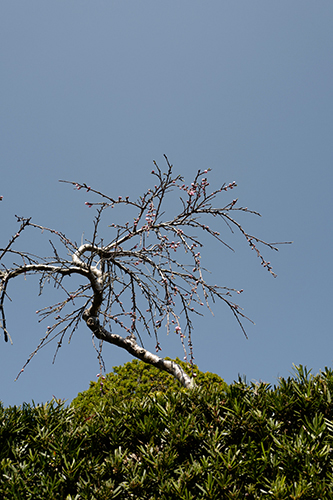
130	345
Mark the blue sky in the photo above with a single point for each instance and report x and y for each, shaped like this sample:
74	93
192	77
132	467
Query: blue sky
95	91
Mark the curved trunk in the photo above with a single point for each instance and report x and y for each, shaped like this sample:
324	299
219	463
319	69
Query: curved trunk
131	346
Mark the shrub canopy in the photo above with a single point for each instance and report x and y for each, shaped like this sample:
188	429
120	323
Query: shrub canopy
137	379
216	441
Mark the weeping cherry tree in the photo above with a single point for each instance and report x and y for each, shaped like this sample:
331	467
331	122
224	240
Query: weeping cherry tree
148	275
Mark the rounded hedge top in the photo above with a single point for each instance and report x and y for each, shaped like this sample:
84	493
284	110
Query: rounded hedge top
138	379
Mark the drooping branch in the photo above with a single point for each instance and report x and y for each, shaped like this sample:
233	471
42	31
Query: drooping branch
136	281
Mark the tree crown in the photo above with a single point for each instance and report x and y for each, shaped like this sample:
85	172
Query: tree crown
149	274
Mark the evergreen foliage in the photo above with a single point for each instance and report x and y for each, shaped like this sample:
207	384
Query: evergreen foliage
215	441
138	379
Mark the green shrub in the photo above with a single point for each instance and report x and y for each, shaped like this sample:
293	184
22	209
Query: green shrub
138	379
212	442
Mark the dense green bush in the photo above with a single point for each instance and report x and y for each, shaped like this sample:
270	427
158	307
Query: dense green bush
213	442
138	379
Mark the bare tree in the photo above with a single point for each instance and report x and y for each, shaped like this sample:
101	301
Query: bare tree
135	282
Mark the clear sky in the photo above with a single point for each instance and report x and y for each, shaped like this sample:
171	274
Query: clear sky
95	91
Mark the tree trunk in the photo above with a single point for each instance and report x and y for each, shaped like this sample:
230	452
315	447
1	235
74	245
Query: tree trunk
130	345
